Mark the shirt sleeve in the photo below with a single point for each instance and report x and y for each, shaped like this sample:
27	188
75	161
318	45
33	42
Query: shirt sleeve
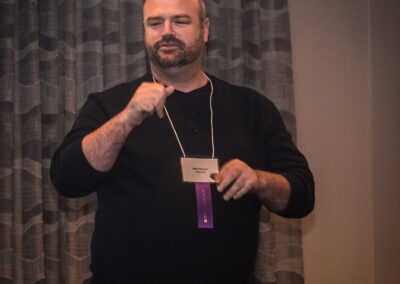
70	172
283	157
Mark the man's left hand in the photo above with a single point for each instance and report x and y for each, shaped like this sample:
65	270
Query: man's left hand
236	178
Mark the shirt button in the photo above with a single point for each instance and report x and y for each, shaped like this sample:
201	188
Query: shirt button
190	114
195	131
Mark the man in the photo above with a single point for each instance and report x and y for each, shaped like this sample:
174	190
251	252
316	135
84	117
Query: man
153	223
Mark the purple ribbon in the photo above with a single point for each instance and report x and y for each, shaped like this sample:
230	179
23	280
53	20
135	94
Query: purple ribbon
204	206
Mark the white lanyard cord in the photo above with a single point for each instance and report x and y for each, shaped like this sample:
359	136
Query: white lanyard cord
211	120
176	134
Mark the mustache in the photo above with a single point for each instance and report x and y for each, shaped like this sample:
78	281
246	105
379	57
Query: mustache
166	39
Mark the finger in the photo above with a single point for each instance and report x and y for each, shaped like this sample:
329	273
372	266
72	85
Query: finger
226	178
159	97
160	112
160	107
147	108
147	93
169	90
243	191
158	86
151	98
225	171
148	88
234	188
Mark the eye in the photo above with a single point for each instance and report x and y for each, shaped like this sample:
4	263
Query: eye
154	23
181	22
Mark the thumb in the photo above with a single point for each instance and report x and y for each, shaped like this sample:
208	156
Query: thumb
169	90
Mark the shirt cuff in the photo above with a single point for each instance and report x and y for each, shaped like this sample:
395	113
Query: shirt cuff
297	206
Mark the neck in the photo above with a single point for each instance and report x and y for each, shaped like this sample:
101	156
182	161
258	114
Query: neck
185	78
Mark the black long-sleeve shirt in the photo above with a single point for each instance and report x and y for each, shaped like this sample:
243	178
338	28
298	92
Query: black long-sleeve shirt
146	222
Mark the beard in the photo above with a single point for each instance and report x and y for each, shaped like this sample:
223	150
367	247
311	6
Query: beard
181	56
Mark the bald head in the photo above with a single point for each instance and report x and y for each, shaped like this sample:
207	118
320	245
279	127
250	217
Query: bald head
201	7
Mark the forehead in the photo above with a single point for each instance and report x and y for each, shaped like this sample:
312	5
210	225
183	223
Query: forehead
166	8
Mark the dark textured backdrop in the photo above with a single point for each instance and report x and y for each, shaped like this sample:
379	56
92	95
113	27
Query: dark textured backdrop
53	53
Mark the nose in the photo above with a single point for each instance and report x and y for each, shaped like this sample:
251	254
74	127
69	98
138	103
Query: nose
168	28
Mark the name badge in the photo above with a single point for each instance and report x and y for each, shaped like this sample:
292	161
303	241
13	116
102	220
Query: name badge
197	170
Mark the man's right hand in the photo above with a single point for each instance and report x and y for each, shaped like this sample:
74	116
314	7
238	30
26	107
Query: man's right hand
148	99
102	146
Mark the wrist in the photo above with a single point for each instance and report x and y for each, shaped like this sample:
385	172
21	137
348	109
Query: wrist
262	182
273	190
125	120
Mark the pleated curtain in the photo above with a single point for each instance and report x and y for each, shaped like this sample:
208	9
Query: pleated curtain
53	53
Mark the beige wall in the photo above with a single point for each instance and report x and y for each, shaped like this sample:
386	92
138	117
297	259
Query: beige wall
347	95
385	82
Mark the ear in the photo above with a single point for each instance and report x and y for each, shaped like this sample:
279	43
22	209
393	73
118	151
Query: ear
206	28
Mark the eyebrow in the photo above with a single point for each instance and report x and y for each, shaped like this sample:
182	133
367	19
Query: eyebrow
173	18
181	17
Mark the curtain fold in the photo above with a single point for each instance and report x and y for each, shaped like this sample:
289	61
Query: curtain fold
52	55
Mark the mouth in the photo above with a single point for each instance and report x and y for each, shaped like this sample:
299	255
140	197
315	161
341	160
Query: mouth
169	44
168	47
